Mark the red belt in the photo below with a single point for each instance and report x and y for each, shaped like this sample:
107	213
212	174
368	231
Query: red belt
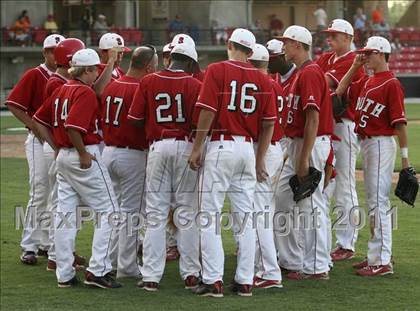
219	136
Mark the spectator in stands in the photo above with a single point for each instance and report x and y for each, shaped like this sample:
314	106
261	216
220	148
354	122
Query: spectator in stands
50	24
100	26
381	29
85	25
258	31
321	24
175	27
396	44
276	26
219	32
377	15
21	29
359	27
321	18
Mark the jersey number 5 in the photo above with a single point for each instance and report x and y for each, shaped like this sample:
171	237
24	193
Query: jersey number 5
117	101
166	106
248	103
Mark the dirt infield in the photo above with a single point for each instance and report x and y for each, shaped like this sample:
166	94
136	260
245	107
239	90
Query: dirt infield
12	146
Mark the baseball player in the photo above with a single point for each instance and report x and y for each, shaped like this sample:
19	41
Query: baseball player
125	157
25	98
267	271
285	72
379	115
335	64
304	248
63	53
164	101
111	50
71	113
237	101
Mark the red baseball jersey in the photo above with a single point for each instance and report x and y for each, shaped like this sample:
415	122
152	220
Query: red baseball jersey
74	105
281	103
55	81
28	93
309	88
199	75
380	104
165	100
240	95
335	68
116	100
286	80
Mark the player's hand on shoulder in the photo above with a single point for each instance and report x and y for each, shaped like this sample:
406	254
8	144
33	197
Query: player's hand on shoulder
86	160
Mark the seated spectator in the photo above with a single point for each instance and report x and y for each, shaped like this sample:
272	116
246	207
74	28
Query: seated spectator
219	32
21	29
50	24
377	15
100	26
276	26
381	29
175	27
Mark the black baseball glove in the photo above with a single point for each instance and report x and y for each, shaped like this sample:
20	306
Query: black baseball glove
304	188
407	186
339	105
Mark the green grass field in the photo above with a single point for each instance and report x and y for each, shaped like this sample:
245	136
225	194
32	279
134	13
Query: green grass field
33	288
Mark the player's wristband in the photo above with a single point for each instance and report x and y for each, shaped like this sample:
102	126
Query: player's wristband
404	153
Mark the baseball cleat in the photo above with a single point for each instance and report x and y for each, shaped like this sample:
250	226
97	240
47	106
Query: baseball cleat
244	290
376	270
51	265
360	264
72	282
28	258
148	286
42	253
298	276
79	261
210	290
172	253
263	283
340	254
191	282
105	281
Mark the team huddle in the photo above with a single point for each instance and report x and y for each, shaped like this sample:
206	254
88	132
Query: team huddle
272	130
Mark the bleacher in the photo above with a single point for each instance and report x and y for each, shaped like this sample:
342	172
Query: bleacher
406	60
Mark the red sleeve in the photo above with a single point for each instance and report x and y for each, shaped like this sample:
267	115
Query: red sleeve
208	98
194	112
353	91
137	109
270	107
22	94
322	61
311	91
44	114
396	103
83	109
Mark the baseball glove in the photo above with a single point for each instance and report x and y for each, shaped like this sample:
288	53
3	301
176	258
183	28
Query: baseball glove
339	105
303	189
407	186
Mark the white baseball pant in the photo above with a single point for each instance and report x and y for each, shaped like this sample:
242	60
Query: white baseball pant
378	155
34	236
94	187
345	191
167	174
127	169
302	239
328	193
229	168
266	265
49	158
